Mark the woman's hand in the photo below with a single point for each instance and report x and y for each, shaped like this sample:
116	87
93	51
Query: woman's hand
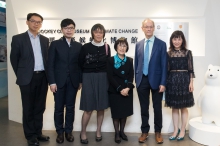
125	91
191	86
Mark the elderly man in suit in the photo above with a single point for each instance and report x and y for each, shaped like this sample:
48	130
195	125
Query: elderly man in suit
65	79
150	75
28	59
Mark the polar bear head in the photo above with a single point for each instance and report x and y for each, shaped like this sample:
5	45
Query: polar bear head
212	76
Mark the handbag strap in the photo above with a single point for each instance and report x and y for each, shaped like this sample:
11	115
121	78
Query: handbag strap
106	48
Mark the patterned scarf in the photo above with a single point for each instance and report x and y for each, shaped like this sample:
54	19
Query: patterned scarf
118	61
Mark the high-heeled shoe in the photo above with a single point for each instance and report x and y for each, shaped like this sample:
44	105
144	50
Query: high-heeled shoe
123	136
117	140
83	141
174	137
98	139
181	138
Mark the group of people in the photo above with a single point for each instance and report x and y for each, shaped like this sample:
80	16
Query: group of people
105	80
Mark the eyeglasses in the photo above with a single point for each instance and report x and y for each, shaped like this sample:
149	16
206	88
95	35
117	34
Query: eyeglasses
151	27
68	28
98	32
122	46
35	22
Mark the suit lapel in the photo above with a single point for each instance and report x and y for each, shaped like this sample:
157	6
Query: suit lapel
154	48
142	49
42	47
71	50
27	39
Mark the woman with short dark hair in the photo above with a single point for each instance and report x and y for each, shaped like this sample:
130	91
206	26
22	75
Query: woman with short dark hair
120	73
94	96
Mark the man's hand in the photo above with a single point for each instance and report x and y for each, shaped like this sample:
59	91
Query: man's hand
53	88
162	88
80	86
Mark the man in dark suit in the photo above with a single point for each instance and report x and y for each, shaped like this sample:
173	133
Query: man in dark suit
28	59
64	77
150	75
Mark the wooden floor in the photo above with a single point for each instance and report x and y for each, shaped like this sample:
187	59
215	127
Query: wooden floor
11	134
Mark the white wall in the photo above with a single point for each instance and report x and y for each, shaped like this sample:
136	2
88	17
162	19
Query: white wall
120	10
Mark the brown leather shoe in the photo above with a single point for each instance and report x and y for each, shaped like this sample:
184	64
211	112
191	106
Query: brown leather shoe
69	137
143	137
158	137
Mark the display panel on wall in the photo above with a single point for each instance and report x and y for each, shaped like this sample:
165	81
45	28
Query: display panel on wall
3	48
3	52
130	29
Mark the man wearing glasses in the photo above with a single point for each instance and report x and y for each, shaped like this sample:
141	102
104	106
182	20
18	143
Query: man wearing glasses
64	76
28	59
150	76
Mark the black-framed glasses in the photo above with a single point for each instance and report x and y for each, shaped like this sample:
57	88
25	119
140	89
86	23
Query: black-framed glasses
35	22
68	28
122	46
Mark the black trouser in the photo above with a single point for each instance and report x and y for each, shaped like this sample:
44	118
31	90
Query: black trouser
143	93
65	96
33	98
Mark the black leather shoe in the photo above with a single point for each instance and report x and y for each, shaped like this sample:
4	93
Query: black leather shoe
60	138
33	142
43	138
69	137
83	141
98	139
123	136
117	138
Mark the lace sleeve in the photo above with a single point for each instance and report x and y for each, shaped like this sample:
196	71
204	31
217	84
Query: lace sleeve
190	64
168	64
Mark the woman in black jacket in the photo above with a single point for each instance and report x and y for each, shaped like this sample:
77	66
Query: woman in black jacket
120	76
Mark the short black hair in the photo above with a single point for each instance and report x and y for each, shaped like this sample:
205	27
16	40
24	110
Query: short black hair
98	26
66	22
121	40
34	14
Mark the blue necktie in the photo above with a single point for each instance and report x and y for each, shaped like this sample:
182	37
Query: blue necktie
146	58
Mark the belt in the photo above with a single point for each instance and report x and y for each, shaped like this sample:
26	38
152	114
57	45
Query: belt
178	70
40	71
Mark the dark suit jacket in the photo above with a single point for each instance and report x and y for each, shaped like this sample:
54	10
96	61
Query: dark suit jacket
22	56
63	61
157	69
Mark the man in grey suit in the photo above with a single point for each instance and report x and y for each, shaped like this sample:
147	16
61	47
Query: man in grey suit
28	59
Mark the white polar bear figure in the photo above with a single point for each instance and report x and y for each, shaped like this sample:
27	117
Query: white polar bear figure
209	98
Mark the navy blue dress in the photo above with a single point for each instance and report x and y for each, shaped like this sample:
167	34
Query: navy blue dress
177	88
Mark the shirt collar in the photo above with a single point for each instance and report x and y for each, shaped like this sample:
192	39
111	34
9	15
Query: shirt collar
97	44
151	39
31	35
67	40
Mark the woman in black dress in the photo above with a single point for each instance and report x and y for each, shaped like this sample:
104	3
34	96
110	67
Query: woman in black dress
120	76
179	89
94	96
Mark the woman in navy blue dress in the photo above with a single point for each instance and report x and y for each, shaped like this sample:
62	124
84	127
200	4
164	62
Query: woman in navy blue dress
179	89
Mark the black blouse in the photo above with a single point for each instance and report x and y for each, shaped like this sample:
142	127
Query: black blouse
93	58
181	60
122	77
